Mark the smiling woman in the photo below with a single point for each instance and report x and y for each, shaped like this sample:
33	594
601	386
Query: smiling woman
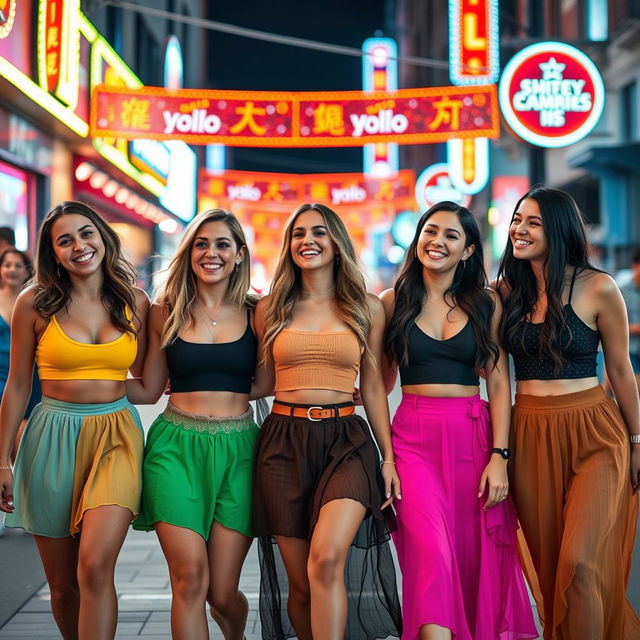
78	468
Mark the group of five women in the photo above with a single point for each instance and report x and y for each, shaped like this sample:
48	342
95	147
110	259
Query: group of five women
310	483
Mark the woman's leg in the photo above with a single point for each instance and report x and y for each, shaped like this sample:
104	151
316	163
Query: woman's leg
338	523
295	555
434	632
103	531
227	550
60	561
186	554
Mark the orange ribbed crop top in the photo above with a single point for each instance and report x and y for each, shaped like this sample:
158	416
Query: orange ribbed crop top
316	360
59	357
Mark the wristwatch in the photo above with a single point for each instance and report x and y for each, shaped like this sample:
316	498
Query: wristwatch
505	453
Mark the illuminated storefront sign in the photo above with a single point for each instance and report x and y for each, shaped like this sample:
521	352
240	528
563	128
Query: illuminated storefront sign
434	185
7	16
468	164
59	48
380	73
287	188
473	41
16	66
551	94
319	119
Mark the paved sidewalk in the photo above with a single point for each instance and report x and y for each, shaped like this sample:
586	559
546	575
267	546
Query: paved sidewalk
144	597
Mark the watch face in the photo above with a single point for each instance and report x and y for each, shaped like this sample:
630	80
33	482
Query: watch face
506	454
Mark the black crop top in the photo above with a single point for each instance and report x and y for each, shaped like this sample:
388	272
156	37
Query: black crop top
579	349
225	366
432	361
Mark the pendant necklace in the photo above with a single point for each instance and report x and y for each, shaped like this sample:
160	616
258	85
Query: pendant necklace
206	313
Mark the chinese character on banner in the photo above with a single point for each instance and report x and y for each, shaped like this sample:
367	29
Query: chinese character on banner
248	112
135	114
447	112
328	118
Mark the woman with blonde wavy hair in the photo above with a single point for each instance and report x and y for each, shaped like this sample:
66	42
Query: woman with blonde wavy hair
198	463
318	489
77	477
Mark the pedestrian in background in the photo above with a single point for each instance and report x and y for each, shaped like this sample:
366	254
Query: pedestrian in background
198	465
7	239
574	469
456	537
318	488
631	295
78	471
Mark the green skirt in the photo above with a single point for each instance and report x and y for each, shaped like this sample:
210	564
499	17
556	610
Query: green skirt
197	470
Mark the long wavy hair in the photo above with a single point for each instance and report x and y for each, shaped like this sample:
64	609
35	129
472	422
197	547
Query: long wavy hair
350	295
467	291
564	229
26	260
179	293
53	287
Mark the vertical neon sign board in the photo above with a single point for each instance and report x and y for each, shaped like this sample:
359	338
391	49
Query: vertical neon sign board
473	41
59	48
380	73
473	59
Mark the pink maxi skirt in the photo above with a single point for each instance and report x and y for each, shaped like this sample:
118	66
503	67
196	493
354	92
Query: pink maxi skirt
459	563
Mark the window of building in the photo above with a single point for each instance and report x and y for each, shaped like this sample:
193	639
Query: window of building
148	65
629	111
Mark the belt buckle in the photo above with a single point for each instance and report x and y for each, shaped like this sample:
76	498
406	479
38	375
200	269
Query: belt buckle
309	414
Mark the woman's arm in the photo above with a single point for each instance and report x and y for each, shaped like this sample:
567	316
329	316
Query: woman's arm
611	318
18	387
149	388
265	379
140	321
499	393
389	369
374	397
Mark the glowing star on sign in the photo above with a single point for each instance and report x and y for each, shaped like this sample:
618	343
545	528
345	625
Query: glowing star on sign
551	94
434	185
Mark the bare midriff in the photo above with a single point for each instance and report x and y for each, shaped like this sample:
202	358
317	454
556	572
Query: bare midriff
555	387
314	396
83	391
216	404
442	390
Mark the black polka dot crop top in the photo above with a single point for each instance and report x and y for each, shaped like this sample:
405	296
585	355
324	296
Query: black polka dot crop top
579	348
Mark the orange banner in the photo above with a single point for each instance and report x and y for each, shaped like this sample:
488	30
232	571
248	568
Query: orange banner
310	119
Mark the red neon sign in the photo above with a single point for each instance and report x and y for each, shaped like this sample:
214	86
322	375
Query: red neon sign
278	119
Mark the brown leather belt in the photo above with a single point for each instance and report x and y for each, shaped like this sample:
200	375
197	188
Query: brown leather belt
314	413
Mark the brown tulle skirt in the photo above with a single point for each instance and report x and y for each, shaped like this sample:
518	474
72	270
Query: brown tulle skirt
572	491
300	466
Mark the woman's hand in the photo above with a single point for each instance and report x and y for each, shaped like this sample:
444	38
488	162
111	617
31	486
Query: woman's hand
391	483
6	488
635	467
495	476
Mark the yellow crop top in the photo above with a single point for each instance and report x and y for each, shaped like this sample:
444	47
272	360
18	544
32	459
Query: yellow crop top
316	360
59	357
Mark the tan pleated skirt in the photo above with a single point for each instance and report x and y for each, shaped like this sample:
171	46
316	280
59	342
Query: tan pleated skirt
572	491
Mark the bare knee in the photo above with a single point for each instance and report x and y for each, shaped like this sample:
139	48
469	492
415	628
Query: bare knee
326	565
65	595
300	594
94	573
189	581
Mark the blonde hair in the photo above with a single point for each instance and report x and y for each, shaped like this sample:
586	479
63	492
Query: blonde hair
179	293
350	293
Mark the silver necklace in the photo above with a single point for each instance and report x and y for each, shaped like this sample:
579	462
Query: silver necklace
206	313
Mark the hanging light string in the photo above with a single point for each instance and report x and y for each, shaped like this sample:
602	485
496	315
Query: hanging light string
266	36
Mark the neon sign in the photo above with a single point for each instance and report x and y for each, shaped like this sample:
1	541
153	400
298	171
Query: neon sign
7	16
380	73
551	94
307	119
434	185
473	41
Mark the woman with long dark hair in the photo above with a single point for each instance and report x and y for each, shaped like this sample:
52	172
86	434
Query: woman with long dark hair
198	464
456	537
77	477
318	489
576	452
